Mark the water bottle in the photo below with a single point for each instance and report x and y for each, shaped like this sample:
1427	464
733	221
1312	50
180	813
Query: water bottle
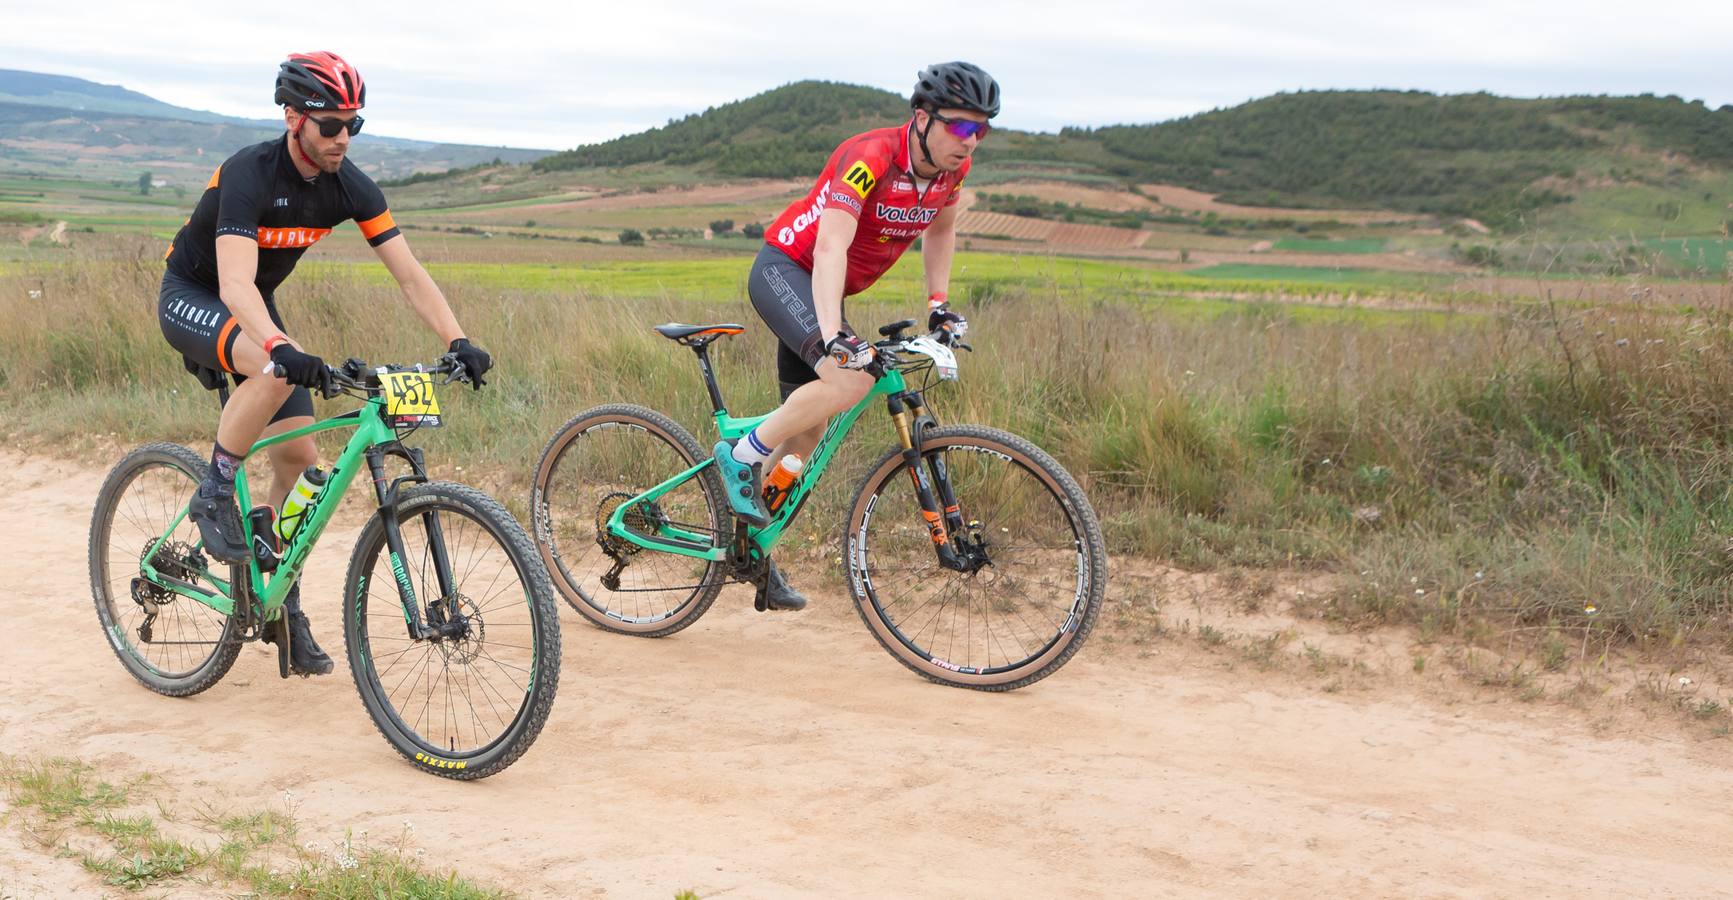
781	478
299	504
267	546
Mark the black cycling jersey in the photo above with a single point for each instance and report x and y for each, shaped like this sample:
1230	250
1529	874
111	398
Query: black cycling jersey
259	194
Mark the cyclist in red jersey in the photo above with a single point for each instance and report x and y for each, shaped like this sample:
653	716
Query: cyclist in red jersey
260	212
879	191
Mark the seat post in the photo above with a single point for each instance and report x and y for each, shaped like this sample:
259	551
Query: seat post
702	348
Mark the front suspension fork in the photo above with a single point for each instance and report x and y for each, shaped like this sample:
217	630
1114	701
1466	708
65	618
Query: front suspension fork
418	629
933	491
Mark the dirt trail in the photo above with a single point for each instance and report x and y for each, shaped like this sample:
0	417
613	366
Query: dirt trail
771	756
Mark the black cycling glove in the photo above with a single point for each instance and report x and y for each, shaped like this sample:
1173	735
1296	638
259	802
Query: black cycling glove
476	361
850	351
941	317
301	369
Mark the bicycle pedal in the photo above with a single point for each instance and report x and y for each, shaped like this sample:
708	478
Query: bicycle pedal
761	599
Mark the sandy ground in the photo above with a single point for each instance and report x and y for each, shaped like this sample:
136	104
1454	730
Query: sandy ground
779	756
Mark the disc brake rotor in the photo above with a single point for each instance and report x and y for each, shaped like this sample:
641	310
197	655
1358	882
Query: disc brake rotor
460	651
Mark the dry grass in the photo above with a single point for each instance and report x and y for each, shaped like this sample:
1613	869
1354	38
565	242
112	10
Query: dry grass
1556	464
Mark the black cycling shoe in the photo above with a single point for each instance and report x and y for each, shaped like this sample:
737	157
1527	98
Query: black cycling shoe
305	657
779	595
213	510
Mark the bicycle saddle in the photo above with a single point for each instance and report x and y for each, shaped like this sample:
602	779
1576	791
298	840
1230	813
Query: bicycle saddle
678	332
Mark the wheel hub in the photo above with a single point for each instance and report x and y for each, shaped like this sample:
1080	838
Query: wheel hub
465	632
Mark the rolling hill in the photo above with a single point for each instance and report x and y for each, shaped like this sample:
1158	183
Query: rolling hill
60	126
1496	159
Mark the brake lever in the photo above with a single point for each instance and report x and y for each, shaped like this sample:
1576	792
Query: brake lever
457	372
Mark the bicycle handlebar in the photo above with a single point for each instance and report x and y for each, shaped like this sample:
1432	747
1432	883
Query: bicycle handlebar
356	374
895	339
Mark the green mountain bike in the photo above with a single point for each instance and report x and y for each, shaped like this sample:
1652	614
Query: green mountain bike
973	557
449	621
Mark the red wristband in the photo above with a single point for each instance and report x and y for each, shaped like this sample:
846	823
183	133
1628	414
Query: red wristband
937	298
273	340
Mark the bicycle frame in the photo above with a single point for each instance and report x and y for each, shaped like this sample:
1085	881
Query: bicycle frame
372	441
942	513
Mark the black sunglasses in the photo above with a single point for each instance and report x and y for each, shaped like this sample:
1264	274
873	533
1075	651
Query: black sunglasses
330	127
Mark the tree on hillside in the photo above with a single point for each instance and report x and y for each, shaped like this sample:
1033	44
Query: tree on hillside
722	226
752	230
632	237
144	185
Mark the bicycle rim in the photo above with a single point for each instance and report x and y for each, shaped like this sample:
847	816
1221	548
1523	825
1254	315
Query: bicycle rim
1028	606
456	701
172	643
592	468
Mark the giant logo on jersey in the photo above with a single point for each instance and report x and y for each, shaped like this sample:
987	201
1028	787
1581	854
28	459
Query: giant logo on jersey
805	219
918	215
860	177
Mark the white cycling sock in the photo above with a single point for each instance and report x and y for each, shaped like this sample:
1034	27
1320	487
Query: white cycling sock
750	450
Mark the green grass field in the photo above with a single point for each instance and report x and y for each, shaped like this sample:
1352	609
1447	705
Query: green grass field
1709	255
1680	205
1317	275
1325	245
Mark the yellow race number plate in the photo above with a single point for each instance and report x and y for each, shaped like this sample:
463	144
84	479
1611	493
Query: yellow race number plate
410	398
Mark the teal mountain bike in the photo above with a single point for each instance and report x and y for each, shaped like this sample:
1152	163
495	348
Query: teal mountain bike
449	621
972	555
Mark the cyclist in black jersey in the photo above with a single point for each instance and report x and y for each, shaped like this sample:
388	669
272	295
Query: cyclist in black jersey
260	212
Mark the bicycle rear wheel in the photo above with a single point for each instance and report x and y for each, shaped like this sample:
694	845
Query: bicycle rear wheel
467	705
172	644
1040	569
598	460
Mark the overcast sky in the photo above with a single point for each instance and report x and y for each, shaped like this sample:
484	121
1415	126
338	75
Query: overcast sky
507	72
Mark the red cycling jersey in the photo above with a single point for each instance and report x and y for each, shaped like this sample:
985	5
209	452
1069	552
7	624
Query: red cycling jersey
870	178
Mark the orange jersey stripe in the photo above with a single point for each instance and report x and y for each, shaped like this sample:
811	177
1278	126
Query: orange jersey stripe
377	225
171	244
281	238
223	344
214	177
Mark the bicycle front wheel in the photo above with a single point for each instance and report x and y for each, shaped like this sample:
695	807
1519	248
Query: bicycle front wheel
465	704
1036	562
172	644
600	459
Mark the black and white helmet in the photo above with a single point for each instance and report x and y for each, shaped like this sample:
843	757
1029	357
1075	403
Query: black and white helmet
956	85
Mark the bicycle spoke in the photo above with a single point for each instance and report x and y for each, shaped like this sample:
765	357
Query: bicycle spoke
623	586
445	690
1021	556
144	497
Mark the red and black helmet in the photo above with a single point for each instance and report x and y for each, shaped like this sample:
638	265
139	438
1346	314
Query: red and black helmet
319	80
